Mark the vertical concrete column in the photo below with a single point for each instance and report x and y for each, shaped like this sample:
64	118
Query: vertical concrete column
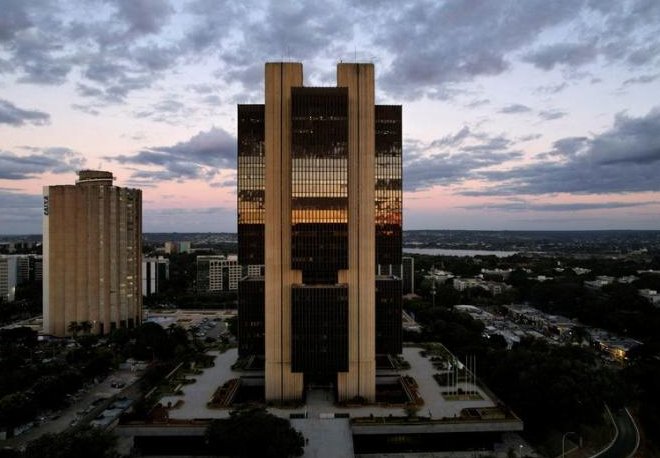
360	380
47	317
93	288
281	383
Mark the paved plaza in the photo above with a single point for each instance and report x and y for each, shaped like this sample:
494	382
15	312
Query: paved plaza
320	403
326	436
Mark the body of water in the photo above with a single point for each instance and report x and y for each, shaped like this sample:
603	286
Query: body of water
450	252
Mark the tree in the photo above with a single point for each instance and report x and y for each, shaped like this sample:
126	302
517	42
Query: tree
86	327
411	409
86	442
16	409
151	340
232	326
253	432
73	328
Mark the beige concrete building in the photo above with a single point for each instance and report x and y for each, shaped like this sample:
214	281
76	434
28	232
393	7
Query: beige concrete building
217	273
92	252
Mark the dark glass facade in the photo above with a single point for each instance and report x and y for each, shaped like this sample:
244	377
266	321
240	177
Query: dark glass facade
319	183
388	184
388	315
319	331
251	177
251	326
319	228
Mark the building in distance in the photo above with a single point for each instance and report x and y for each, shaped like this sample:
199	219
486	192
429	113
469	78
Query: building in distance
8	270
155	273
216	273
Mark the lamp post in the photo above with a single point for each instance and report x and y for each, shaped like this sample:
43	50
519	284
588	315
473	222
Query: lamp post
433	292
563	443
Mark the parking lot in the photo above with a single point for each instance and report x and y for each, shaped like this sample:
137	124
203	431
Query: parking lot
82	403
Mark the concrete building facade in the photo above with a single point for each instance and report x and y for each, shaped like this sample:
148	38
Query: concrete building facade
319	203
217	273
155	272
92	254
8	278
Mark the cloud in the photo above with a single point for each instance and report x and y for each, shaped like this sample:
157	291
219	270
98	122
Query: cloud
456	41
549	115
19	200
529	137
453	159
452	140
524	206
571	54
623	159
20	213
14	116
642	79
228	183
569	146
143	17
477	103
14	19
205	219
42	160
168	110
202	156
551	89
113	48
515	108
89	109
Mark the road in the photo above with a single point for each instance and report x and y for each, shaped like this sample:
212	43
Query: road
83	410
625	443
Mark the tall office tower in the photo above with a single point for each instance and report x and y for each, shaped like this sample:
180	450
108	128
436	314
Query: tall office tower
23	268
319	203
408	274
92	248
155	273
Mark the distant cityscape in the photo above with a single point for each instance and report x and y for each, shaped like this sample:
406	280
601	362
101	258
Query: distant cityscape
555	293
587	242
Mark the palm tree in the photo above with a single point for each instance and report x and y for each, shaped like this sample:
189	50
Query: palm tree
73	328
86	326
193	330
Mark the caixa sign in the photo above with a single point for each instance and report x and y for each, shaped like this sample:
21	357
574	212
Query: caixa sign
46	205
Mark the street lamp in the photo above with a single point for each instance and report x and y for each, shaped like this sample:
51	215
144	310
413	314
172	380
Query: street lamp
563	442
520	450
433	292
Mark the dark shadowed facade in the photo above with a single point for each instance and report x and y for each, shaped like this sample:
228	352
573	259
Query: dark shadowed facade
319	204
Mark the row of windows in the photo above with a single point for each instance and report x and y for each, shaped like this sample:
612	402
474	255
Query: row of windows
319	330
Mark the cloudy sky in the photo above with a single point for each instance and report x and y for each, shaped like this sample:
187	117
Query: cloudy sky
529	114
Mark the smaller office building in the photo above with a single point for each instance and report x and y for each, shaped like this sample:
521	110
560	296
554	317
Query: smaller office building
155	272
216	273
